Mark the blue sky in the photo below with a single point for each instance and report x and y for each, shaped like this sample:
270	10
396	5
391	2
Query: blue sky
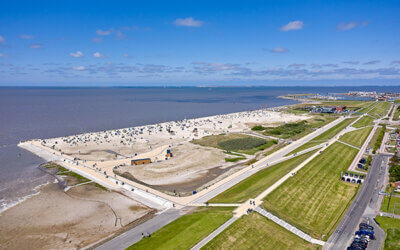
123	43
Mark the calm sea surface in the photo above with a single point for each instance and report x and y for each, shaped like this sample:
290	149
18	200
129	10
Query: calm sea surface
27	113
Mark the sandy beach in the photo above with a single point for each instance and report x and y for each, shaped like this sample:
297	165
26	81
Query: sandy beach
55	219
111	151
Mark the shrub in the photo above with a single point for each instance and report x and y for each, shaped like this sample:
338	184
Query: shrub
379	139
241	143
288	130
258	128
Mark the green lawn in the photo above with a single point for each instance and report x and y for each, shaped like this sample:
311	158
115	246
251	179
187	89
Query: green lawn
334	130
380	109
366	108
356	138
254	231
364	121
392	228
305	146
315	199
393	206
186	231
257	183
63	171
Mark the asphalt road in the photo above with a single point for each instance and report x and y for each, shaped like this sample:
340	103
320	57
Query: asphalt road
364	206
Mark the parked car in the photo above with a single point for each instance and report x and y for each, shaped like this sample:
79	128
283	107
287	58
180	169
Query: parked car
355	248
363	161
366	226
359	244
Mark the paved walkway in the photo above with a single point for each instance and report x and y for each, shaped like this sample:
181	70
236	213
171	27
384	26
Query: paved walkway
345	143
211	236
214	204
288	227
135	234
76	185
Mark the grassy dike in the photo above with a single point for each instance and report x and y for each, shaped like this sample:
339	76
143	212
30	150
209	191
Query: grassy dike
364	121
380	109
258	182
186	231
330	133
315	199
254	231
356	138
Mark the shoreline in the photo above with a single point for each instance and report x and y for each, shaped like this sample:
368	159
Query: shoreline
10	204
63	216
166	122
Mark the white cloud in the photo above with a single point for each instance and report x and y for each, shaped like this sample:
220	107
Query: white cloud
98	55
79	68
3	55
2	39
104	32
35	46
77	54
127	56
25	36
347	26
97	39
188	22
279	50
295	25
120	35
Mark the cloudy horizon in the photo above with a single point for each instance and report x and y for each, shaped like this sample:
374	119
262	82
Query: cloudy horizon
139	44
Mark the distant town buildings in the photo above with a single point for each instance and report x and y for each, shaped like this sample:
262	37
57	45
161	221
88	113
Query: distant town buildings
377	96
329	110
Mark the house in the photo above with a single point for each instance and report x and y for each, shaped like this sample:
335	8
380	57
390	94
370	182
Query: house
397	186
140	161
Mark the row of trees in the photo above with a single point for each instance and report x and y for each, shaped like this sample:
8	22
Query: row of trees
379	139
394	171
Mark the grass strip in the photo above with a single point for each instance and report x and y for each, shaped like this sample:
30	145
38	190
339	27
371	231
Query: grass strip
258	182
186	231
